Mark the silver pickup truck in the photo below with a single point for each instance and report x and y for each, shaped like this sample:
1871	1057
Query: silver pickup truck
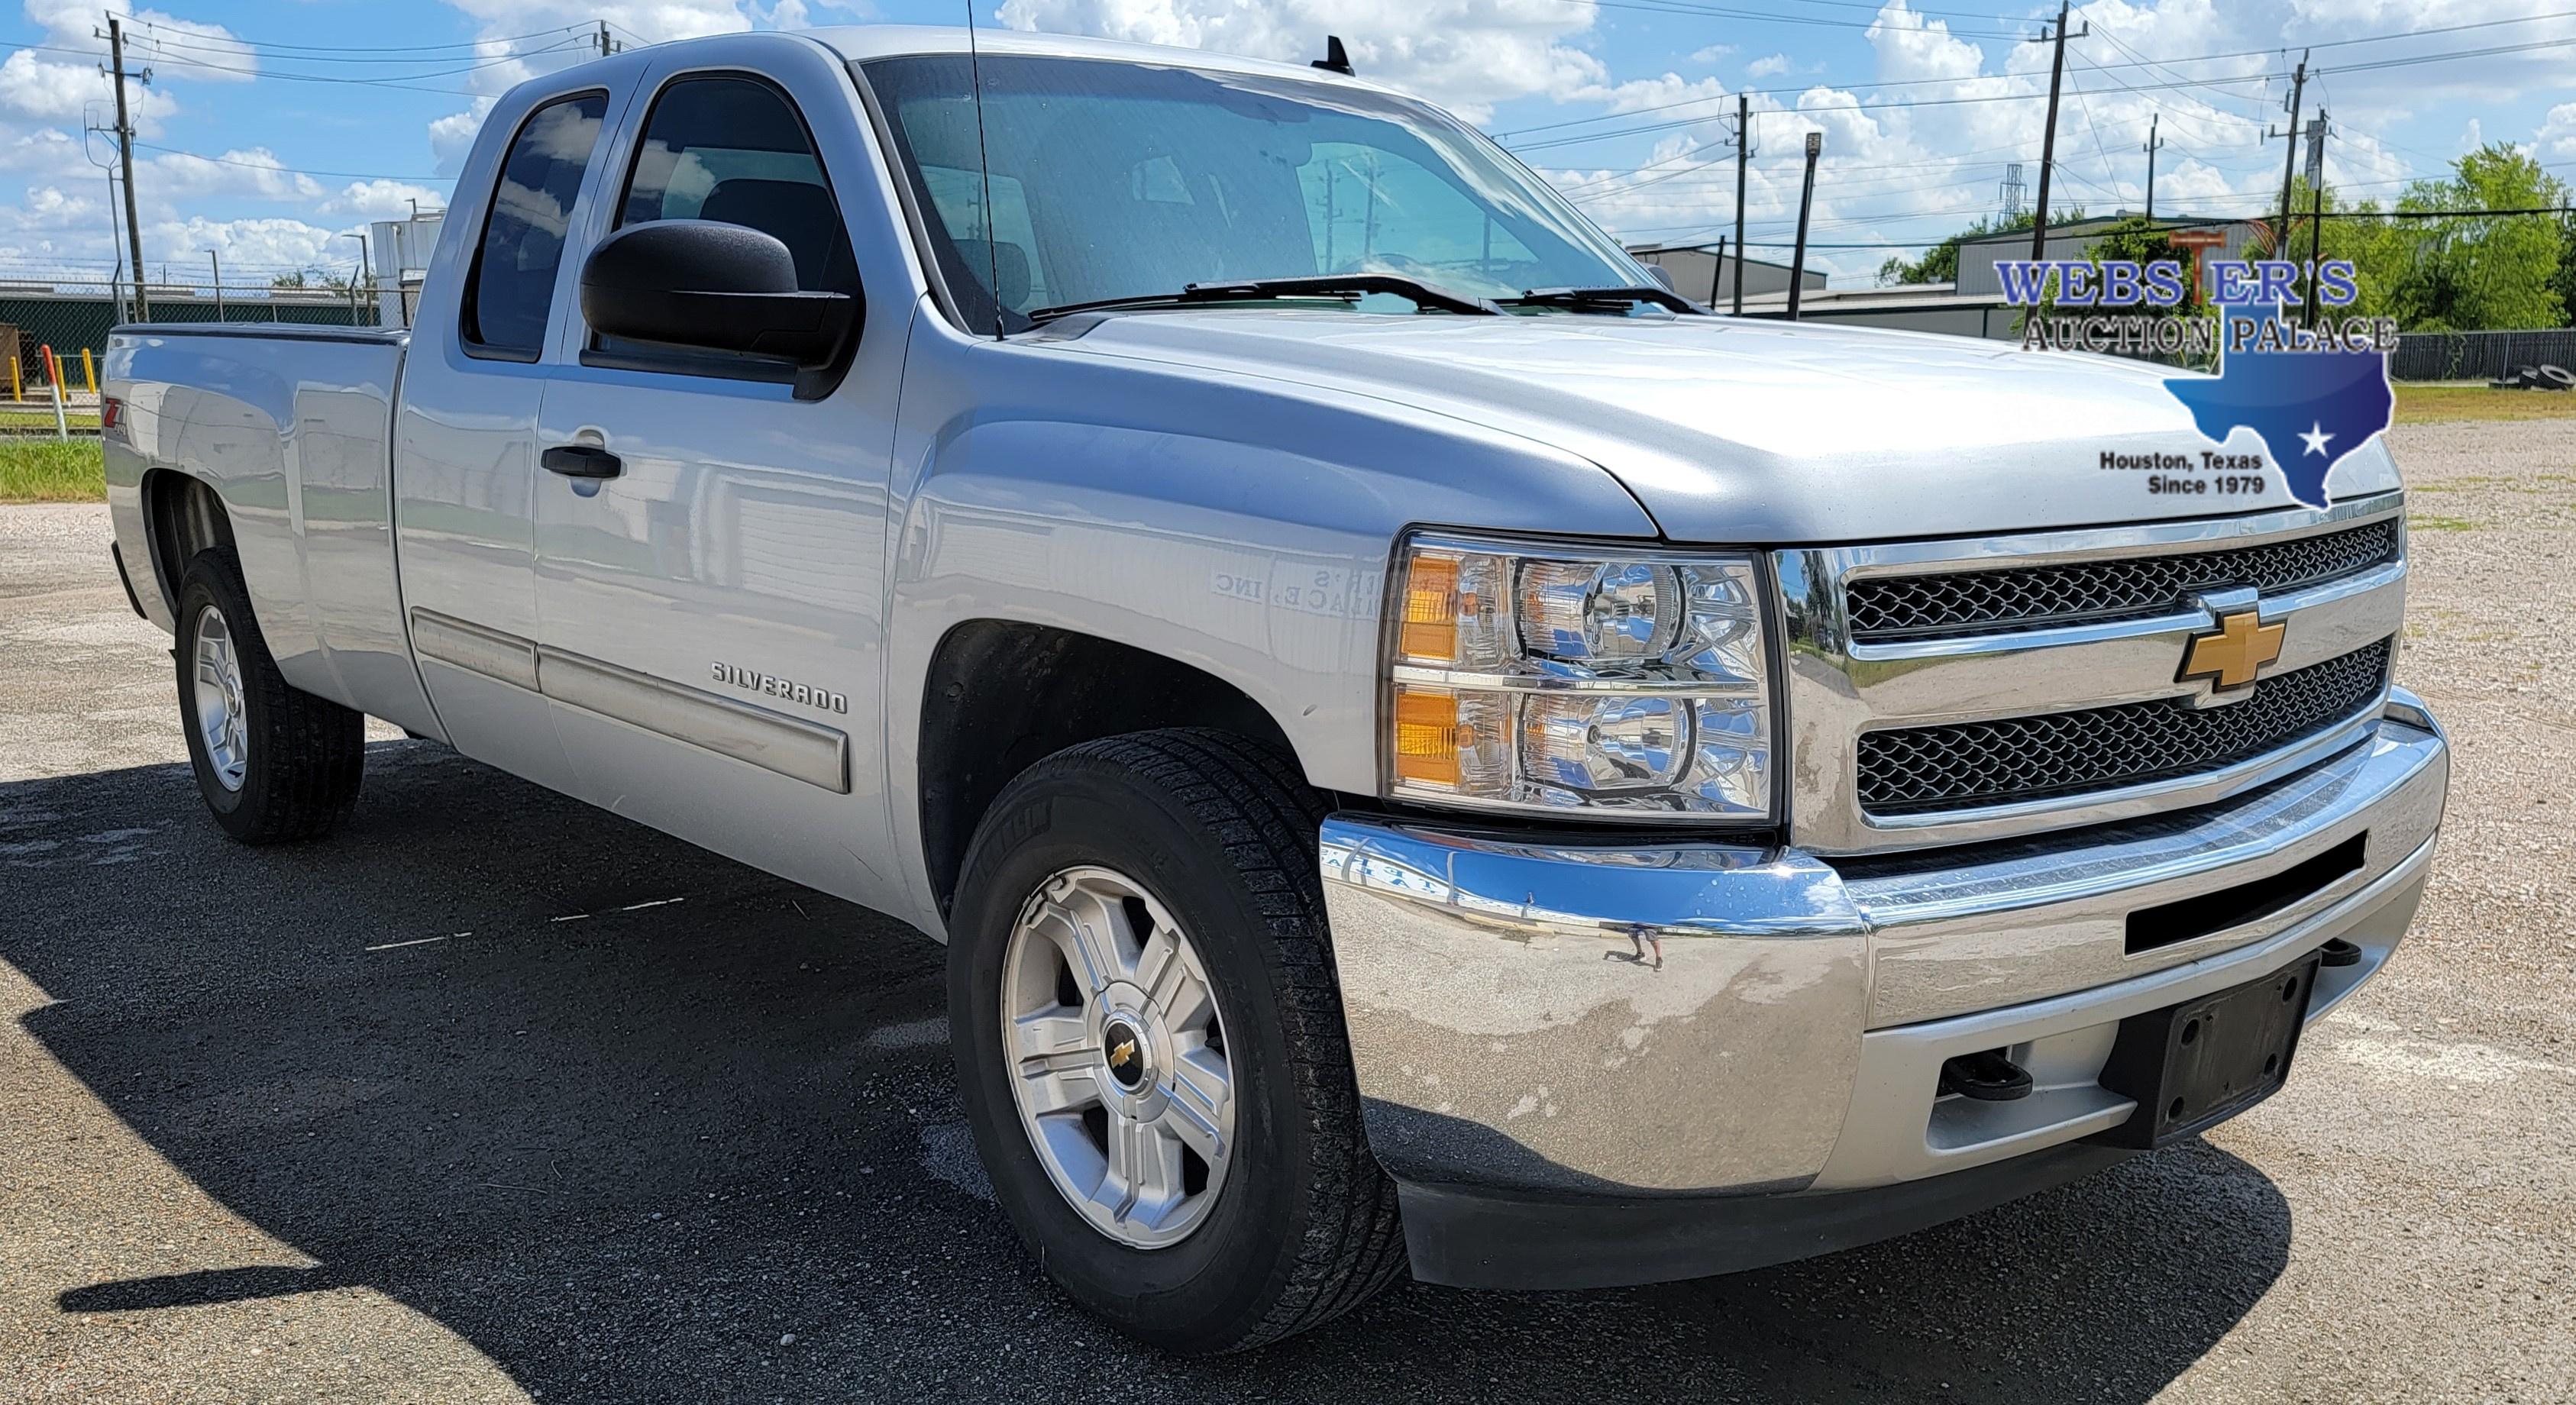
1426	750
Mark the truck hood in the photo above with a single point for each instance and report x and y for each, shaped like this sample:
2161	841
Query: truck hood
1759	432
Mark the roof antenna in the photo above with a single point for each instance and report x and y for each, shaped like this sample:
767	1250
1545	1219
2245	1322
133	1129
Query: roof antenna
1336	58
984	159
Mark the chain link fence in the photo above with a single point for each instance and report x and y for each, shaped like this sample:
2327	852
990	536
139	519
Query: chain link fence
2479	356
53	334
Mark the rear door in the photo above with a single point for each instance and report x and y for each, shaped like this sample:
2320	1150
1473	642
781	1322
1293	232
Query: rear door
464	451
711	615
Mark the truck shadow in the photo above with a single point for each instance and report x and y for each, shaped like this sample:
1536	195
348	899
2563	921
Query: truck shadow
623	1115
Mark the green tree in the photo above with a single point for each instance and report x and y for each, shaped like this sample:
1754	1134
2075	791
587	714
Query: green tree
311	278
2466	273
2564	280
2478	272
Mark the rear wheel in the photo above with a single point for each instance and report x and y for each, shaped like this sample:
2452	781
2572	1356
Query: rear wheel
1150	1047
273	763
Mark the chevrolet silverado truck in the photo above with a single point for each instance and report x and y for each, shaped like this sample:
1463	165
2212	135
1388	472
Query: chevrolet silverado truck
1427	751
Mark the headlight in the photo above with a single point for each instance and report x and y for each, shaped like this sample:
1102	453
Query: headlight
1622	684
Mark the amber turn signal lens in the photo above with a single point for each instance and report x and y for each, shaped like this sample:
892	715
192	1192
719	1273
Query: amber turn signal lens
1431	608
1428	737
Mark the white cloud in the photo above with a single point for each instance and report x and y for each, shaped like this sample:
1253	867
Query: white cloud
382	200
2557	135
1712	53
51	91
172	176
173	48
451	137
1639	94
1767	65
507	64
1911	47
254	247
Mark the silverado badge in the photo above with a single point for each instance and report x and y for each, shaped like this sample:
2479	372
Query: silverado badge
2236	652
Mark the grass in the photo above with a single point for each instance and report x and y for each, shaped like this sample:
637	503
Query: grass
49	470
2442	404
40	419
2434	522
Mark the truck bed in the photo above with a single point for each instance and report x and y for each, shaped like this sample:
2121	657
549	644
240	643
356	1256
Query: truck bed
291	427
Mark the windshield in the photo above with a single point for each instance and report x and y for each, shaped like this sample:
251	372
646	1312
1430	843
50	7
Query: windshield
1121	180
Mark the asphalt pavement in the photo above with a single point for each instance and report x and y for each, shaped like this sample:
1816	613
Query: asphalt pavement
495	1097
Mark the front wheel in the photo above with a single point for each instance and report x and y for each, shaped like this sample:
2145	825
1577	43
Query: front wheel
1150	1047
273	762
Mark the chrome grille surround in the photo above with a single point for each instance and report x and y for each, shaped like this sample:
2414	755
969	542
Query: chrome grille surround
1840	688
1956	603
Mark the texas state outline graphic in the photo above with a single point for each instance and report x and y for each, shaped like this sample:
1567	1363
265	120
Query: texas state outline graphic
2310	408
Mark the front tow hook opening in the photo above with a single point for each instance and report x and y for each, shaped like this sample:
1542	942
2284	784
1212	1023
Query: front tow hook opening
1986	1076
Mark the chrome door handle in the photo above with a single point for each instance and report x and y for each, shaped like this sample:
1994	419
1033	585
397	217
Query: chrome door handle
582	461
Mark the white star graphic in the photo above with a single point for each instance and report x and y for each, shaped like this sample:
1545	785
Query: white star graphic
2315	438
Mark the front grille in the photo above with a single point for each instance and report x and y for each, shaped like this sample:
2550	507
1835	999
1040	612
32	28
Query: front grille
1908	770
2083	592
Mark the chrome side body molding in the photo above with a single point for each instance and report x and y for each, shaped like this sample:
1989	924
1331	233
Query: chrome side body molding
790	746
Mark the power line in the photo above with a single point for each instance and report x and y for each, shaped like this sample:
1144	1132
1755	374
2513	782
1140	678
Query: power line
2139	61
286	170
1836	107
472	44
1678	7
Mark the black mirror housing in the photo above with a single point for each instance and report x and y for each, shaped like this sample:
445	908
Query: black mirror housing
710	286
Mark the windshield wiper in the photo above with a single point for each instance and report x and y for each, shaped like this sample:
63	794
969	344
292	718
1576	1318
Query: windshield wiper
1328	285
1588	299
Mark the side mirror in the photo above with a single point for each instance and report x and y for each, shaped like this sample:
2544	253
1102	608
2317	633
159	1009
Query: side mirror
1663	277
710	286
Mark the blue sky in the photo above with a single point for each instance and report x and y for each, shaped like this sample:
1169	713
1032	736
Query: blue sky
272	128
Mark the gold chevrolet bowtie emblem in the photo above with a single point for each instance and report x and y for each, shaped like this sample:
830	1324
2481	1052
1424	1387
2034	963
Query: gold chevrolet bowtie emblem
1119	1056
2238	651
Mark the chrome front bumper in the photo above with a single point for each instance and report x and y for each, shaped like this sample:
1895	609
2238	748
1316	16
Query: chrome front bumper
1623	1021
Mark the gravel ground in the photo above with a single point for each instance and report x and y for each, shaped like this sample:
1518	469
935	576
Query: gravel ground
370	1121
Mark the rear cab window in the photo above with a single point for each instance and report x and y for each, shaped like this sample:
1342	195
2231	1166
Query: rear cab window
510	293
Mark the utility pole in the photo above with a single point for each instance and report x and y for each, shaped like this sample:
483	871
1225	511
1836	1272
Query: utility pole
125	149
1743	151
2290	157
218	261
2048	141
2317	210
607	45
2153	143
1716	273
1806	196
358	277
116	238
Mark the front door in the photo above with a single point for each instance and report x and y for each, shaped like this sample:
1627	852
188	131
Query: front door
465	456
711	608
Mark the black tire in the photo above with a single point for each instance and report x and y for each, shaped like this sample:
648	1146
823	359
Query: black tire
303	756
1223	832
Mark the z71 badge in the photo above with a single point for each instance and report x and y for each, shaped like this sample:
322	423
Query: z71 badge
778	687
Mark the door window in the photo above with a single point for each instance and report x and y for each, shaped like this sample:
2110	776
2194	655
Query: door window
511	290
733	149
